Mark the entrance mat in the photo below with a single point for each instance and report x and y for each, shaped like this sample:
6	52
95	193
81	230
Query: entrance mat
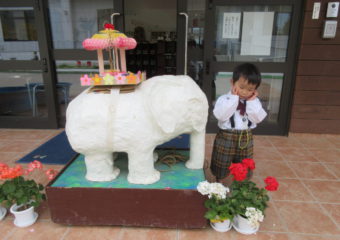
55	151
175	177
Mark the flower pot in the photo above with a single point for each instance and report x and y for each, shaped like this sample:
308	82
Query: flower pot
23	218
3	212
242	225
219	226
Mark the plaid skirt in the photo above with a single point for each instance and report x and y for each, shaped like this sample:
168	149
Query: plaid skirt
227	150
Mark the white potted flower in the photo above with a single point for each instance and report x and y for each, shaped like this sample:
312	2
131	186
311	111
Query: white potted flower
218	205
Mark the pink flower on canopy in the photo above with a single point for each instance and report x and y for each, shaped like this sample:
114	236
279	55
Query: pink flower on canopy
85	80
127	43
120	79
95	44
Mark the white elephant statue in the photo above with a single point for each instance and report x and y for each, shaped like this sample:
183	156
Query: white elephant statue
160	109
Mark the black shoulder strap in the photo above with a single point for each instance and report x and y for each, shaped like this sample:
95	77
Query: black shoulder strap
232	120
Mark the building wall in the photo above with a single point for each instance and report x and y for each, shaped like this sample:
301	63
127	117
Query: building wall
316	103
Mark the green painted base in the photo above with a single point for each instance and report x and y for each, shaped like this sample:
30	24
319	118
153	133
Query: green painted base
176	177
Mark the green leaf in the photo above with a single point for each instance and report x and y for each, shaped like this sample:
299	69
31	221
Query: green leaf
211	214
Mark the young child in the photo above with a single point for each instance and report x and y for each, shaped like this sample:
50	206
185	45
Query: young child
237	113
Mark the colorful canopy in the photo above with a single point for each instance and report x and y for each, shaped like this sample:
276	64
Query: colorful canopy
109	38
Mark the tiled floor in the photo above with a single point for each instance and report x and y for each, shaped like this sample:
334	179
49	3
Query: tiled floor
307	205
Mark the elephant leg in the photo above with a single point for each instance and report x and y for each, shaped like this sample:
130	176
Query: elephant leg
197	150
155	157
141	168
100	168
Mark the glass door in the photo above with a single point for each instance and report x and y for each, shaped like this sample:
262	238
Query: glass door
26	79
159	30
71	22
264	33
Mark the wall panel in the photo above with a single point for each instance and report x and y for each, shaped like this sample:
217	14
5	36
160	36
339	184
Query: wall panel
316	102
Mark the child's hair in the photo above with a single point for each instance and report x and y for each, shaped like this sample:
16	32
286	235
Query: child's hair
249	71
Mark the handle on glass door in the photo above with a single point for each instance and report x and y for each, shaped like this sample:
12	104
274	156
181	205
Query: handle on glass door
112	16
207	68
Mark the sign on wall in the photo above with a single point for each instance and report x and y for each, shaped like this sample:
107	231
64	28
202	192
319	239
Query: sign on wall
257	32
231	25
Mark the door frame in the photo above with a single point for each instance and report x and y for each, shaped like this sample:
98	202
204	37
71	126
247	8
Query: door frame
288	68
180	27
45	65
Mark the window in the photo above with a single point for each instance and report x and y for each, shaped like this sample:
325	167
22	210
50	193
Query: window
18	25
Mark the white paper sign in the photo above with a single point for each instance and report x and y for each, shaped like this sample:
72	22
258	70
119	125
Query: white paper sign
231	25
257	32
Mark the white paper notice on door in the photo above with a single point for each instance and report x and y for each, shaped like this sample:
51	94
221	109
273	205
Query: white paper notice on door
231	25
257	32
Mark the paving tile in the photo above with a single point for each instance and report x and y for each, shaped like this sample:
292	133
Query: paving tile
206	234
306	218
261	236
314	141
11	157
266	154
326	155
334	168
20	146
281	141
6	227
40	230
291	189
272	221
28	134
93	232
324	191
148	234
334	139
296	154
273	168
310	170
209	139
262	141
334	211
311	237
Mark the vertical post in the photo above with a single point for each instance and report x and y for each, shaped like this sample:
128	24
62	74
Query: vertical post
116	59
122	59
185	41
100	61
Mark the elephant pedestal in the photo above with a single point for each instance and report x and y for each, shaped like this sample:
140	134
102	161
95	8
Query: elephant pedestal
172	202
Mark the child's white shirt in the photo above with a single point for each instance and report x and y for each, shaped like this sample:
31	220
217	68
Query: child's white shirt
226	106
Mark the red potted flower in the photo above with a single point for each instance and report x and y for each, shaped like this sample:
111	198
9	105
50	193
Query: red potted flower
248	201
20	194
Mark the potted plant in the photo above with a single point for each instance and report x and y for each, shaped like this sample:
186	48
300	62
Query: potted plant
3	210
218	204
20	194
247	200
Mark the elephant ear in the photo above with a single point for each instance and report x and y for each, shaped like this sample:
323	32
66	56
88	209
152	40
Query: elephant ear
161	104
198	107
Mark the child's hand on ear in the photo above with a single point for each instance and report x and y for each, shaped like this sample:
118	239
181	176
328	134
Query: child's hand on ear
234	90
255	94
